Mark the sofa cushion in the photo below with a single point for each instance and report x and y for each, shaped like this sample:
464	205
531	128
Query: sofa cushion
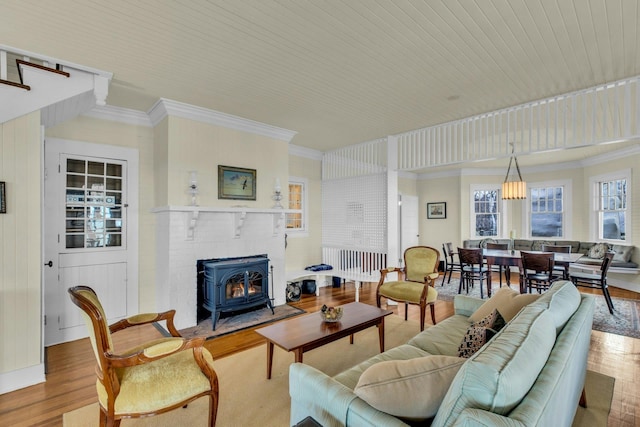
501	373
351	376
443	338
411	389
598	250
561	299
507	301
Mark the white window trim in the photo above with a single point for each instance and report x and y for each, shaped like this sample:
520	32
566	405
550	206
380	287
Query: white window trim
502	226
303	232
594	195
567	224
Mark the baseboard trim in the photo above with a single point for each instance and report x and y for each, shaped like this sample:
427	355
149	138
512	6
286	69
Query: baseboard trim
21	378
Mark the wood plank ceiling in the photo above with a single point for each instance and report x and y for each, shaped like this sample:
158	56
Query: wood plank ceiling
337	72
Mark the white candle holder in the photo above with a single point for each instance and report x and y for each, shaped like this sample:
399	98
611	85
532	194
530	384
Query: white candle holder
193	188
277	196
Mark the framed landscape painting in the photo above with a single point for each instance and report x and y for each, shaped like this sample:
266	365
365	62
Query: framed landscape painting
437	210
236	183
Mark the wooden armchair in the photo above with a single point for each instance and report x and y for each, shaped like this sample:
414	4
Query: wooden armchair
152	378
415	281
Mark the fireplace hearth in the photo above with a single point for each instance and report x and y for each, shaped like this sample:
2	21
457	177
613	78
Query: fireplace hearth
231	285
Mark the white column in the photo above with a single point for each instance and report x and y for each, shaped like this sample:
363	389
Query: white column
393	215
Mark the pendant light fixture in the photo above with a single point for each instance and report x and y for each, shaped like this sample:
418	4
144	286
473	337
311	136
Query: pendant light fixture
512	190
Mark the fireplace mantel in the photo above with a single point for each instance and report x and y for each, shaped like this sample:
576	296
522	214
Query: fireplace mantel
236	209
240	212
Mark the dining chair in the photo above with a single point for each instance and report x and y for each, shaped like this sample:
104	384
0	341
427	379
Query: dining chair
152	378
473	269
450	264
537	270
502	247
596	281
415	281
560	270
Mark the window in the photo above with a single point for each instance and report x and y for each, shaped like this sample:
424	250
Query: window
297	220
611	201
486	210
546	211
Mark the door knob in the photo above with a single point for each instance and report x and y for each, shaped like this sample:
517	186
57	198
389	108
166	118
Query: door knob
50	263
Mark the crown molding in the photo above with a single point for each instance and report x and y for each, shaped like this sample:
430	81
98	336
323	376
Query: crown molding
166	107
612	155
309	153
119	114
592	161
408	175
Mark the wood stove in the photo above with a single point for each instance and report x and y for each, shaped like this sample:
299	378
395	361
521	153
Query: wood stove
227	285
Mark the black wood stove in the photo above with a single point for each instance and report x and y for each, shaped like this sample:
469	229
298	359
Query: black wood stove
227	285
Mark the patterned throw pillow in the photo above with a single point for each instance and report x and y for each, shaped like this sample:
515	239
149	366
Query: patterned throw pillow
538	244
598	250
479	333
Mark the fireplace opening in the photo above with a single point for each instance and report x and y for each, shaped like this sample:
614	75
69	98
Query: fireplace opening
231	285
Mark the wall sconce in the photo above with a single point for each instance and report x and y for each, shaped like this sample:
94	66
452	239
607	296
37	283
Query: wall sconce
512	190
193	187
277	194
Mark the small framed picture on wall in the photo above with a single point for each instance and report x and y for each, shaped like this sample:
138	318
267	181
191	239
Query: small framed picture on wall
437	210
3	198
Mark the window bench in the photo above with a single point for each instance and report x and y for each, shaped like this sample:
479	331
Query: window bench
622	262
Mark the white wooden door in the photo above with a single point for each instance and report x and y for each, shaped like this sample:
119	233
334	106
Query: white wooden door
409	225
90	222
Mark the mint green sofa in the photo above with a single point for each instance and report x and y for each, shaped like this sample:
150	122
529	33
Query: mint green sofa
531	373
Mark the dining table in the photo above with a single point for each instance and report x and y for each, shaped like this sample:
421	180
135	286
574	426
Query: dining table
510	257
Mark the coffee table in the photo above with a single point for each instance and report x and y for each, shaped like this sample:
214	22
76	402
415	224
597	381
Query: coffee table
306	332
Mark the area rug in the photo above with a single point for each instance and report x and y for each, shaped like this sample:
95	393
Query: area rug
248	398
232	323
625	319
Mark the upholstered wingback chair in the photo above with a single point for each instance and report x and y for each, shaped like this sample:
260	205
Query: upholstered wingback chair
415	284
152	378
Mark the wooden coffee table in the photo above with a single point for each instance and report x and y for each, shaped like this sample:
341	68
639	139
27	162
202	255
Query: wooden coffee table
304	333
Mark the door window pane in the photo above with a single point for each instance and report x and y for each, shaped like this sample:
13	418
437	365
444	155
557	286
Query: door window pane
93	216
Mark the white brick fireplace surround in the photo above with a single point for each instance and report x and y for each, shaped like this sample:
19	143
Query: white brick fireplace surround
186	234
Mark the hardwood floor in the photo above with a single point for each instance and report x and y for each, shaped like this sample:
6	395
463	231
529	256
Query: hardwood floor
71	376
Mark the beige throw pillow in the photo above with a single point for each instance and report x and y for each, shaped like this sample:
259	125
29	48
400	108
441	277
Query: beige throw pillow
411	389
507	301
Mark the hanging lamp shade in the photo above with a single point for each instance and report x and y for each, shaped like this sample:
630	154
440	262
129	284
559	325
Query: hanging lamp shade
512	190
